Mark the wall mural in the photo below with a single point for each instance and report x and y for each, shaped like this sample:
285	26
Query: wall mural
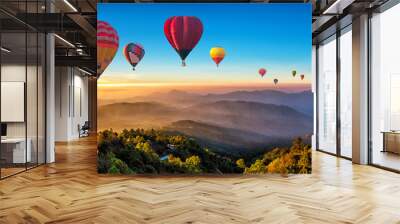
204	88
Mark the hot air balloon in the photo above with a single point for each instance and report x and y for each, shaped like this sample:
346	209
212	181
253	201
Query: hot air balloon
217	54
183	33
133	53
276	81
262	71
294	73
302	76
107	45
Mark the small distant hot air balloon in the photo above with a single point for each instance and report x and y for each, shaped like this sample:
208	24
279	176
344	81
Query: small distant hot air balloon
133	53
107	45
217	54
183	33
276	81
302	76
262	71
294	73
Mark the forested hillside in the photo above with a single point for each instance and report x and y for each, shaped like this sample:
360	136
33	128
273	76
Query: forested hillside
156	151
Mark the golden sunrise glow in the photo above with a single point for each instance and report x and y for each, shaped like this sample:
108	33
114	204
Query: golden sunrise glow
266	83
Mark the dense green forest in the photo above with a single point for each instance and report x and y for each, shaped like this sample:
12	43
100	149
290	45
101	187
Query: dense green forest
155	151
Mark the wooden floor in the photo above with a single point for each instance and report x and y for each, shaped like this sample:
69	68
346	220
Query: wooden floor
70	191
386	159
5	172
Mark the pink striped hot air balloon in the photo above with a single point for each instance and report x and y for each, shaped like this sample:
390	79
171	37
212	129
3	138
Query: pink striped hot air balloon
107	45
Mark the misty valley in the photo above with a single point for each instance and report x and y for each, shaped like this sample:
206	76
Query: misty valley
235	122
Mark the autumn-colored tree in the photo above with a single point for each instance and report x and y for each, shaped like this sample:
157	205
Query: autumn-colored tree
177	139
176	161
241	164
192	164
146	148
118	166
304	162
138	139
258	167
296	159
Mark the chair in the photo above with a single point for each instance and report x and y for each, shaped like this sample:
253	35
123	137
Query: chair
84	130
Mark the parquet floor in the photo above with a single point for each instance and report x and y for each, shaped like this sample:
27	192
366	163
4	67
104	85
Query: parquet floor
70	191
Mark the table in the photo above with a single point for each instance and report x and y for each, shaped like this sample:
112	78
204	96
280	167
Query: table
15	148
391	141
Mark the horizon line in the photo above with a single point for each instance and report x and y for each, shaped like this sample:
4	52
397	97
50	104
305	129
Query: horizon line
188	84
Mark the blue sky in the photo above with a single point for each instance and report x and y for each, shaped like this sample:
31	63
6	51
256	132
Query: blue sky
274	36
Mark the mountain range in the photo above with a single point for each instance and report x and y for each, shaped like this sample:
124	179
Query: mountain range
301	101
236	121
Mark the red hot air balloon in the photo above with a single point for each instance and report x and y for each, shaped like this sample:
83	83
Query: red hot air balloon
262	72
133	53
107	45
302	76
183	33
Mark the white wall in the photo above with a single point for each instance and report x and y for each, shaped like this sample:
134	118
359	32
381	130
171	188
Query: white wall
12	73
80	110
16	73
62	81
71	102
33	127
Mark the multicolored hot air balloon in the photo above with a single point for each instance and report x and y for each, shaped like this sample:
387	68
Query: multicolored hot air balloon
107	45
262	71
302	76
133	53
183	33
276	81
217	54
294	73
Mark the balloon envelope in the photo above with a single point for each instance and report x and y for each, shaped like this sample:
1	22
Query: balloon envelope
217	54
107	45
183	33
275	81
262	71
294	73
133	52
302	77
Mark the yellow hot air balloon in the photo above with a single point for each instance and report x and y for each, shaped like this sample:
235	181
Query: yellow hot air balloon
217	54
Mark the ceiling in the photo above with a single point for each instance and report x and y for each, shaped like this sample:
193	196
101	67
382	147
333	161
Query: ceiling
74	22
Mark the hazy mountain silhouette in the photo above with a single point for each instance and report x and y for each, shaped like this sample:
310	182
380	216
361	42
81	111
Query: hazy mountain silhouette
222	139
267	119
301	101
225	125
135	115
